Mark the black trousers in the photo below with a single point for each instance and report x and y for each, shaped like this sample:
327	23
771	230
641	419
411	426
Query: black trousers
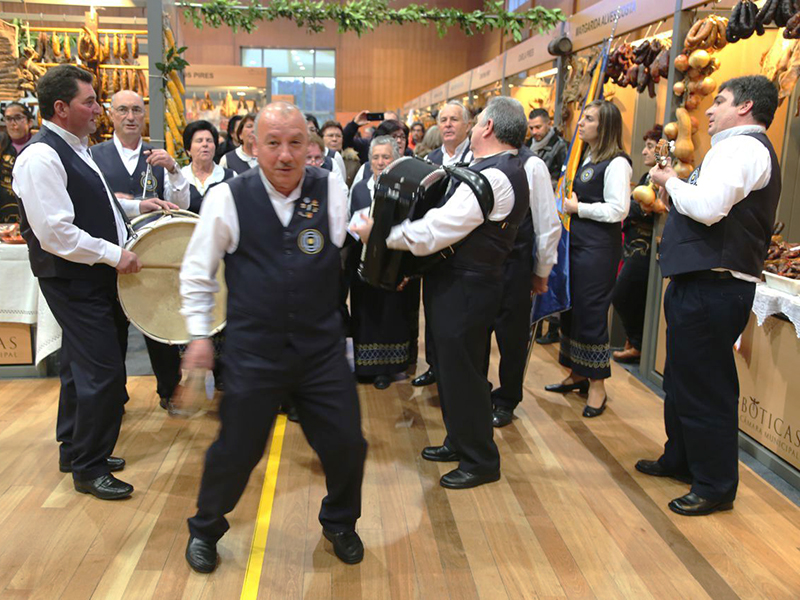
630	296
323	390
430	343
94	330
463	306
704	320
512	327
166	363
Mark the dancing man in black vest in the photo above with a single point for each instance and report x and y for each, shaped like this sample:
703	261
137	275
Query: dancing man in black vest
124	161
713	250
465	290
279	229
74	227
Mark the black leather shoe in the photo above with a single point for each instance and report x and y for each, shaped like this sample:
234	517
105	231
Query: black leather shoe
105	487
551	337
292	414
346	545
582	387
201	555
502	417
382	382
461	480
692	505
163	402
440	454
114	464
590	412
427	378
654	468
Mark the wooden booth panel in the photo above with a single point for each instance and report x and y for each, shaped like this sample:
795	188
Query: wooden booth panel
16	347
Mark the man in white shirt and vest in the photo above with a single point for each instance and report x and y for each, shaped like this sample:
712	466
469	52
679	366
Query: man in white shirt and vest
713	250
279	229
75	229
124	162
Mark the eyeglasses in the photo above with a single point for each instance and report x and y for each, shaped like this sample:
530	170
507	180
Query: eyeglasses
332	134
314	160
399	136
136	111
16	119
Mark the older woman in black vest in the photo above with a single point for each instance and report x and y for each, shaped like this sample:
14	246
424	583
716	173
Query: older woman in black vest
599	203
200	140
381	320
242	158
18	121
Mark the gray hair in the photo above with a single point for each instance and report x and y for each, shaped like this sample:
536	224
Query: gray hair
508	120
284	109
464	109
385	140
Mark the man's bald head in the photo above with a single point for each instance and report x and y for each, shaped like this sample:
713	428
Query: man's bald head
282	142
127	114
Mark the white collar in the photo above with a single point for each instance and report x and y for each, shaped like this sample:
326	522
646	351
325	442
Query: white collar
123	150
275	194
476	160
244	156
72	139
739	130
459	149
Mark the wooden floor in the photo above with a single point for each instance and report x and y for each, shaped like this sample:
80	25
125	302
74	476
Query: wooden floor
569	518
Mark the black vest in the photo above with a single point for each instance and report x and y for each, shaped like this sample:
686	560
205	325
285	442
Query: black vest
327	163
738	242
437	156
236	164
525	236
108	159
93	214
283	282
486	248
588	186
360	197
196	198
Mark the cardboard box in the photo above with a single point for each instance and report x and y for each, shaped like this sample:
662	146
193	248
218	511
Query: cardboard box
769	382
16	344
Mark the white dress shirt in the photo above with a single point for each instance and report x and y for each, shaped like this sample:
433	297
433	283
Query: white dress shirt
736	165
441	227
616	193
448	159
546	223
41	182
217	175
338	162
176	187
252	161
217	233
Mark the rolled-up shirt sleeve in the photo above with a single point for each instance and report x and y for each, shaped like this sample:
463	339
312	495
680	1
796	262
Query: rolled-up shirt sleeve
176	189
616	194
460	215
40	181
216	233
338	208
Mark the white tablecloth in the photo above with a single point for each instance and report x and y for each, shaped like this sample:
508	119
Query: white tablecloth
769	302
21	301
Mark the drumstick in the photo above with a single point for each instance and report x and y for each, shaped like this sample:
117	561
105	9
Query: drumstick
161	266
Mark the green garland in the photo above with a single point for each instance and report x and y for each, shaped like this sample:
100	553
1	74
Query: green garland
361	16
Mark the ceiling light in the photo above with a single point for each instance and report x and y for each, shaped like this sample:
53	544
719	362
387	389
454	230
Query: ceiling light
240	93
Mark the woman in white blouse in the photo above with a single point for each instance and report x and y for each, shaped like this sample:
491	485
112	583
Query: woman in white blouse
200	140
244	157
599	203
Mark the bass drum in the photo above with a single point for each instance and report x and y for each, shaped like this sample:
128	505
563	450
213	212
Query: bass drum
151	298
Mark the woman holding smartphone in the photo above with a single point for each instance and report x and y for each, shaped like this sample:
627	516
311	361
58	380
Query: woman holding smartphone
598	205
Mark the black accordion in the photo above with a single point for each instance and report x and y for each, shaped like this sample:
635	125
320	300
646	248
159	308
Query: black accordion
407	189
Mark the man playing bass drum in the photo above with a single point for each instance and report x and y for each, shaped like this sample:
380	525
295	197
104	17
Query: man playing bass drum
465	291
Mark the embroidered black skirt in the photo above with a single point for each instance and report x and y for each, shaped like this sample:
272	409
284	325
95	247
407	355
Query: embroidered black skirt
584	328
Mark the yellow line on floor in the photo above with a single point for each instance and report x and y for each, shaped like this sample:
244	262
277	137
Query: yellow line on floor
255	562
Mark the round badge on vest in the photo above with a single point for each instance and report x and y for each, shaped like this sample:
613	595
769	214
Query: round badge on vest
310	241
587	174
148	184
694	176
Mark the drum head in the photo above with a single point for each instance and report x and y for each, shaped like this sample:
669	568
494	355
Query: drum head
151	298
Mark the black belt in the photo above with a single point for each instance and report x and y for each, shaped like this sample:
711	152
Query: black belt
702	275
